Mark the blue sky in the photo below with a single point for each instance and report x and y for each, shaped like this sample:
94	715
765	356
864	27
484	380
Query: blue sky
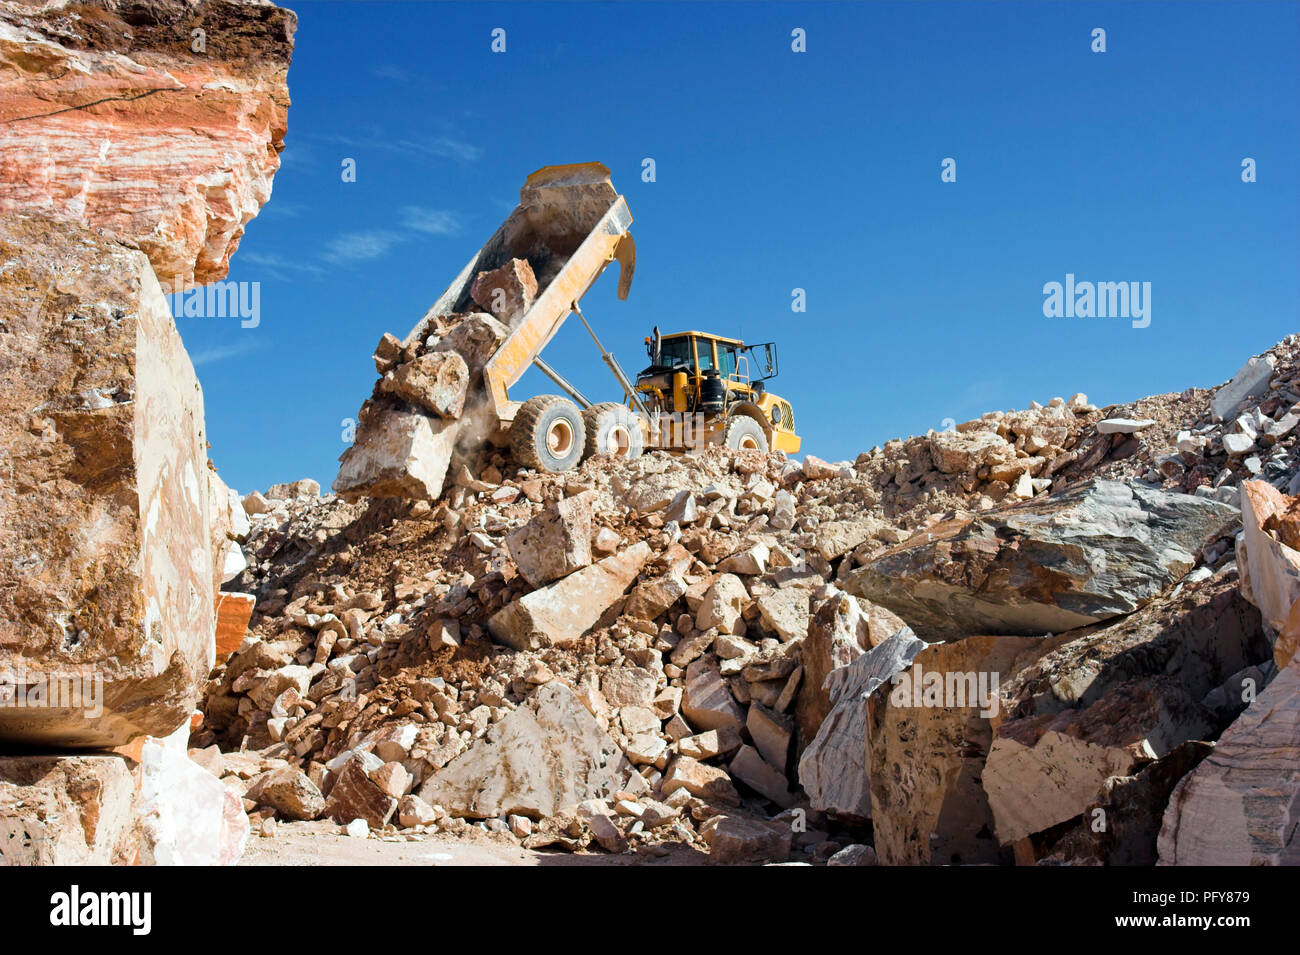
779	170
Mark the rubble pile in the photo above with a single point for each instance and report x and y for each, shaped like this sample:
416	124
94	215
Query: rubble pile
707	649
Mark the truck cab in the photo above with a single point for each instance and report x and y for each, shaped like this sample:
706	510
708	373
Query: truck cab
719	378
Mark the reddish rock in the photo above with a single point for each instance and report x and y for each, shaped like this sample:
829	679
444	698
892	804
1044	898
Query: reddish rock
233	610
114	121
355	796
507	292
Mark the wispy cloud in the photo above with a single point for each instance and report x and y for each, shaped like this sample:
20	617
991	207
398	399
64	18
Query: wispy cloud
278	266
439	147
432	221
212	355
435	147
361	246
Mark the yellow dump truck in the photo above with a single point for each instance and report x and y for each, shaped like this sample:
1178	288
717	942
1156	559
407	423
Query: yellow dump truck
569	225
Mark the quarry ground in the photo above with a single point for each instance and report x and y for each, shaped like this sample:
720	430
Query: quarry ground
322	843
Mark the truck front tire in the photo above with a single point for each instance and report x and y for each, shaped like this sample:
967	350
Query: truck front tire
743	433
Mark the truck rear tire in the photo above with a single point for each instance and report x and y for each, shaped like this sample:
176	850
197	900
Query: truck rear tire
548	434
743	433
612	428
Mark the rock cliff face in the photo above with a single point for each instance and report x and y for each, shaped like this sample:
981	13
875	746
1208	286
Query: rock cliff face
161	121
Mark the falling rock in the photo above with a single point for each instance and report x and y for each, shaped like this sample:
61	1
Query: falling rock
1095	551
356	796
1045	770
556	542
833	770
546	755
561	612
221	113
397	453
507	292
106	564
436	382
476	337
1240	806
66	810
707	702
738	839
928	733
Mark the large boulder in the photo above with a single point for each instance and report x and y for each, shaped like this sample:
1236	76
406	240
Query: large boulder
928	733
399	452
1241	806
561	612
1092	552
547	755
106	569
114	119
185	815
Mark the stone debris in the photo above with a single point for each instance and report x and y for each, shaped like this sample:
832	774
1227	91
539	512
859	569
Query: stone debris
727	636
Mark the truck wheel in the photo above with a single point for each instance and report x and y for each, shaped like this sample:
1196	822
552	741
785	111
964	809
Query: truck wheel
743	433
547	434
612	428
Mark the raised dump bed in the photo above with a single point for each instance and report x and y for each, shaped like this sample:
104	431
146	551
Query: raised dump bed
570	224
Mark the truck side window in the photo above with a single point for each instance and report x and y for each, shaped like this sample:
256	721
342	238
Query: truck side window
726	360
704	349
